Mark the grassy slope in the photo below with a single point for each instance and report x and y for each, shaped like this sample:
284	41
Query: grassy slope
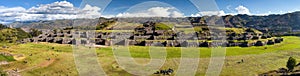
37	63
257	59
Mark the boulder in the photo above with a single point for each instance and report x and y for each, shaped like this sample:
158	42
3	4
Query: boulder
204	44
231	44
58	40
51	40
83	41
278	40
67	41
100	41
244	44
270	42
255	37
259	43
193	44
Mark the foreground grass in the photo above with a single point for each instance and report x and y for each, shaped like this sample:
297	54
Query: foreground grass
289	43
257	59
6	58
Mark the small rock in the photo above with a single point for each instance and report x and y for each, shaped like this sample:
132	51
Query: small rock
4	46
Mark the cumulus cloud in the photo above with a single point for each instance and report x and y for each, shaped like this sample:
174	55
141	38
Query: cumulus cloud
153	12
9	14
90	12
62	7
242	10
52	11
209	13
14	9
239	10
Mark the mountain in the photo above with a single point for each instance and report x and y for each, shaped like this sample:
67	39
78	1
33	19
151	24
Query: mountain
54	24
289	22
275	23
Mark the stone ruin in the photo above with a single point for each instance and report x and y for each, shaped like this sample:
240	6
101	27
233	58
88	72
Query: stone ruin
148	36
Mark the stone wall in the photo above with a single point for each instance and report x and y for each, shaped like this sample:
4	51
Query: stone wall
129	39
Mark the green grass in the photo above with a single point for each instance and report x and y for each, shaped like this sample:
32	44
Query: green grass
257	59
289	43
162	26
61	54
6	58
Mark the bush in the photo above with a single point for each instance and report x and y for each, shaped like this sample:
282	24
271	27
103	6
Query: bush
291	63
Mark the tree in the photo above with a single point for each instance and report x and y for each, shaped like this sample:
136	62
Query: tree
291	63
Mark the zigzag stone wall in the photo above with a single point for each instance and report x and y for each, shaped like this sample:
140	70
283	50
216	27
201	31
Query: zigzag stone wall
128	39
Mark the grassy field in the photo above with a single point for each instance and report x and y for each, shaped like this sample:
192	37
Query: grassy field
256	59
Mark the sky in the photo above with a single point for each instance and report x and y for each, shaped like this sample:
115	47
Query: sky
29	10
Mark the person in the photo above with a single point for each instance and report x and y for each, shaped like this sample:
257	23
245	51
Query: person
157	72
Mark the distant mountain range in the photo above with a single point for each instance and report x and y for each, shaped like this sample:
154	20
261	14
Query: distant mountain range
285	22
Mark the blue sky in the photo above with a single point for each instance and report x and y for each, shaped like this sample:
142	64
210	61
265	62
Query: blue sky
118	7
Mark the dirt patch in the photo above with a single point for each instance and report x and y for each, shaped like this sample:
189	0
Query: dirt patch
46	63
3	62
19	57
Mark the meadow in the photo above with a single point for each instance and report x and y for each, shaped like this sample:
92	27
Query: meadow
57	59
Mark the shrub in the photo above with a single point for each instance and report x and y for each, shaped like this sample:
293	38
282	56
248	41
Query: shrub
291	63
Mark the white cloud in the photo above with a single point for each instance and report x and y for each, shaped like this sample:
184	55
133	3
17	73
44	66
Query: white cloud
153	12
8	14
90	12
242	10
209	13
14	9
52	11
62	7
